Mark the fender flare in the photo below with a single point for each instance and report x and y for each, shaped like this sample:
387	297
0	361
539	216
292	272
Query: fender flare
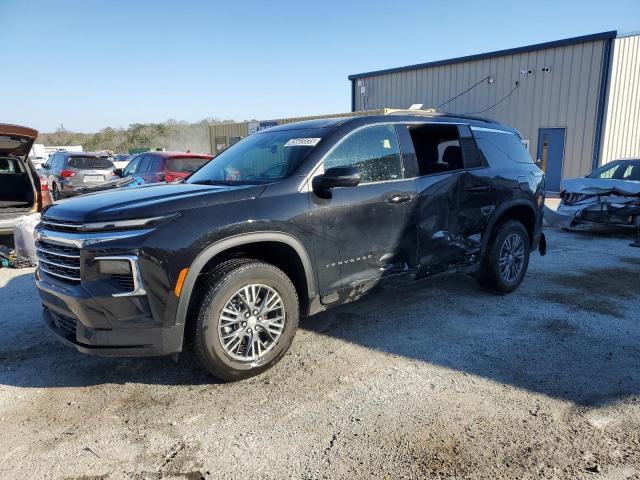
243	239
498	214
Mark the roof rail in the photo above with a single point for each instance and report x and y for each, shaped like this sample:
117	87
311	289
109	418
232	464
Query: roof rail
434	112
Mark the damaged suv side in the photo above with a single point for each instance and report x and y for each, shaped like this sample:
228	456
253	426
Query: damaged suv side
286	223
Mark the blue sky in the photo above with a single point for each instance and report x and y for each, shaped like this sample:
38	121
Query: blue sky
89	64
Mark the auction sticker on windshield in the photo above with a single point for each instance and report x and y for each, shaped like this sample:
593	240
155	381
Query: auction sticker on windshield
302	142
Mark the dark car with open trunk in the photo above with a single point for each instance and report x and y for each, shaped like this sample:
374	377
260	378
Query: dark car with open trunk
22	191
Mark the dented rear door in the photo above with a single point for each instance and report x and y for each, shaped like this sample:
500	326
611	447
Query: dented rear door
452	209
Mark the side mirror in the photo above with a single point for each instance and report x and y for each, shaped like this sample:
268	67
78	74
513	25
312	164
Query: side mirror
46	166
118	172
333	178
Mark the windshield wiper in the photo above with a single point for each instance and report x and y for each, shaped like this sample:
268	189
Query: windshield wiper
213	182
227	182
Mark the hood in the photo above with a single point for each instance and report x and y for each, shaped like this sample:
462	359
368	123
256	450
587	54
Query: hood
147	201
117	183
601	186
16	141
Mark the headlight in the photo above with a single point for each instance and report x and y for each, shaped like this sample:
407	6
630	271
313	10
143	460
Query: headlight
126	224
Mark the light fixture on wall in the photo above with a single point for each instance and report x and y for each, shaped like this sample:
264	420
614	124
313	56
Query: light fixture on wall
491	80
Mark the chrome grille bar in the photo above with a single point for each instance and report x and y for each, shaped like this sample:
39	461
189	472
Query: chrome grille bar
60	265
58	254
59	275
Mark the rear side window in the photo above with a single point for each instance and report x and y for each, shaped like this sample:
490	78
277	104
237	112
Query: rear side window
156	164
185	164
437	147
374	151
501	148
89	163
145	164
9	166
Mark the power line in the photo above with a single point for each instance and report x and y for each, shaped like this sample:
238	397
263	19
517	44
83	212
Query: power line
467	90
497	103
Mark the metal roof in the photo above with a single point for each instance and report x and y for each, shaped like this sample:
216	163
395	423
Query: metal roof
498	53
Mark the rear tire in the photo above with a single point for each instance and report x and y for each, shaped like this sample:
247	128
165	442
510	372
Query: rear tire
55	194
237	334
507	258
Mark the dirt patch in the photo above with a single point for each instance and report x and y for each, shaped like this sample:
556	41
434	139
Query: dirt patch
443	458
630	260
558	326
601	282
89	477
594	289
589	304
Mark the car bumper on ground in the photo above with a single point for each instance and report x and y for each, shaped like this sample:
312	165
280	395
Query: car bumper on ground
105	326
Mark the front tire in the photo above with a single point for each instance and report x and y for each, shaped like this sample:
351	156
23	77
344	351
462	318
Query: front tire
55	193
246	321
507	258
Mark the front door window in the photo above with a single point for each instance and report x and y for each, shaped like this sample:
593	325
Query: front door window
374	151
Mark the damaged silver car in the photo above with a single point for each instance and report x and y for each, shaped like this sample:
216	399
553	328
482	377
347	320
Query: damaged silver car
606	199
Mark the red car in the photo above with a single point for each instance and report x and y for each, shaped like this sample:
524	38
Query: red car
153	167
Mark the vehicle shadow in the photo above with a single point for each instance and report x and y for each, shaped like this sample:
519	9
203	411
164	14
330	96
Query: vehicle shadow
586	351
589	355
31	356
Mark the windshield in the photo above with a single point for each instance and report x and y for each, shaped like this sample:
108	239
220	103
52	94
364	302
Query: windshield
90	163
261	157
186	164
626	170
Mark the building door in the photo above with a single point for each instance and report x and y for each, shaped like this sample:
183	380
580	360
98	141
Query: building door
551	156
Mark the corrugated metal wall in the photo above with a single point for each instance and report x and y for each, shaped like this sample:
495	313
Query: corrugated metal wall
566	96
621	137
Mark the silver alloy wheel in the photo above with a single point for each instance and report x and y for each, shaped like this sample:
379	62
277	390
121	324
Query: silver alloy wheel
251	322
511	257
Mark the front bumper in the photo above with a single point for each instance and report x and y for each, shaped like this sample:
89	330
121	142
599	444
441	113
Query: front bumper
595	217
105	326
105	314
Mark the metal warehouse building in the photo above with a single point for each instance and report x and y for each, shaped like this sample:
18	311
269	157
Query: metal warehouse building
575	101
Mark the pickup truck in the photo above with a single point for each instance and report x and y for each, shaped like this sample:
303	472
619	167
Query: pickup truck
286	223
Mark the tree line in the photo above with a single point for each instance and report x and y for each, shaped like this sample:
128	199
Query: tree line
170	134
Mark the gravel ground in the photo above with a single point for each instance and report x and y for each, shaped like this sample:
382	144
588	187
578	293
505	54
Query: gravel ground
443	380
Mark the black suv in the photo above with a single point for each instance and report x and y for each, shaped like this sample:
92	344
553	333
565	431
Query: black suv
287	222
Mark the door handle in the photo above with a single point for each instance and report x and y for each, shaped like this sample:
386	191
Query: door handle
398	198
479	189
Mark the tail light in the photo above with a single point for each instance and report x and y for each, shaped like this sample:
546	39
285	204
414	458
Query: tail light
67	173
165	177
44	186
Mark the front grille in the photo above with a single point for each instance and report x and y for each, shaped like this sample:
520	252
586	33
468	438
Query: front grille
60	261
571	197
125	281
61	226
65	323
